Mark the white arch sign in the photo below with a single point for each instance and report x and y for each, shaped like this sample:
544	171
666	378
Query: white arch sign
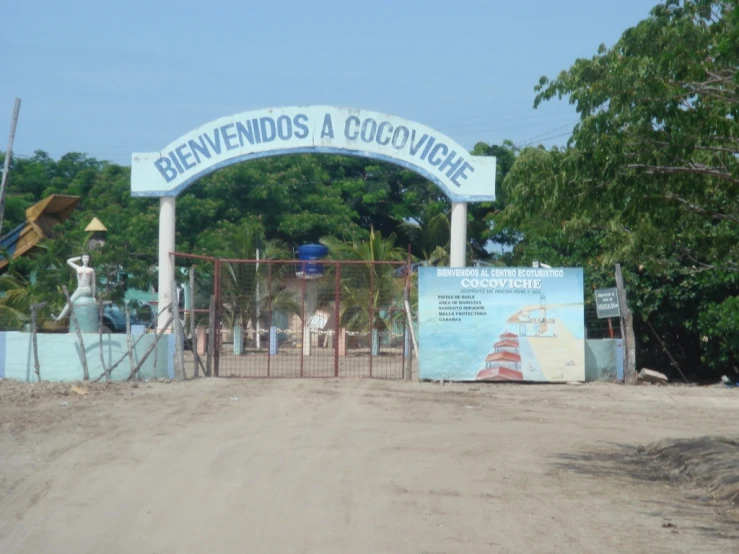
328	129
309	129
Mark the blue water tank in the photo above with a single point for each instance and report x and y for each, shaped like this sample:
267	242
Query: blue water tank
311	252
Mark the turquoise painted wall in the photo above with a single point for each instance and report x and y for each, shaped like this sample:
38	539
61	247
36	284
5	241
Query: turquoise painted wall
60	356
604	360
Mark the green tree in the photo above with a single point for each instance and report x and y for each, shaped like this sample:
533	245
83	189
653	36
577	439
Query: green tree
649	179
371	293
248	290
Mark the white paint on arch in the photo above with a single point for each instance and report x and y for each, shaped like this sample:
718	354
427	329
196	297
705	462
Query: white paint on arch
327	129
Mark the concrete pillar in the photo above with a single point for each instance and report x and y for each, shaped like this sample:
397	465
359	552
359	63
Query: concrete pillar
458	243
273	341
375	342
202	339
86	311
238	340
306	340
166	265
342	341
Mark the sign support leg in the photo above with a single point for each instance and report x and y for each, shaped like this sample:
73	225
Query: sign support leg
166	265
458	243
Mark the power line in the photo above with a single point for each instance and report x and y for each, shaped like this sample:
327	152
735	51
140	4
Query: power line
544	136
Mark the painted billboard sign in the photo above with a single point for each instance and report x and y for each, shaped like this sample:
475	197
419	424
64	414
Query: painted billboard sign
501	324
322	129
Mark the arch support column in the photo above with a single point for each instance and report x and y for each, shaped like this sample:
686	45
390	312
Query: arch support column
166	264
458	242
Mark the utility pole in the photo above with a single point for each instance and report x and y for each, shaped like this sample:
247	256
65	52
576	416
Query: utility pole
6	166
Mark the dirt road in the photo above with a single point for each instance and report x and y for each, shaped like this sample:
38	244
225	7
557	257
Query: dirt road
355	466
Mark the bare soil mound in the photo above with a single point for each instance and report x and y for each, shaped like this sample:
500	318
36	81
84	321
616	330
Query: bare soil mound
711	464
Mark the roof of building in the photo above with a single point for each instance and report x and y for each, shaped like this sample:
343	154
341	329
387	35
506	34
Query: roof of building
95	225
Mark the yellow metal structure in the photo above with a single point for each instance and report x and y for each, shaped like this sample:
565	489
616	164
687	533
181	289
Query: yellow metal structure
40	218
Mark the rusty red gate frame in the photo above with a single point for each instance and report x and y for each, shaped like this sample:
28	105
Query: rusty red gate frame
377	366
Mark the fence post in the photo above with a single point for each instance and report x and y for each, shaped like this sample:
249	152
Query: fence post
73	319
304	323
372	316
101	309
210	370
34	339
337	316
408	369
216	325
193	334
272	329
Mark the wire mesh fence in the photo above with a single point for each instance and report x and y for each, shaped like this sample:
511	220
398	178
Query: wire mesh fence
276	318
600	328
301	319
196	278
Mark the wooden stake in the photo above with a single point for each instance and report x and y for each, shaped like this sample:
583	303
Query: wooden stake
34	333
73	319
115	365
6	165
157	336
408	369
410	327
129	339
627	331
100	337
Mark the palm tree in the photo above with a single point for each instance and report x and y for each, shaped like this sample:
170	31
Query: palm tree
371	294
431	236
15	301
247	288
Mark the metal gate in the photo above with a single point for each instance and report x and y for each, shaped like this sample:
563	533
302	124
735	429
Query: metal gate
277	318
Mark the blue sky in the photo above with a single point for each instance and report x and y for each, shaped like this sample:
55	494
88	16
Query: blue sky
111	78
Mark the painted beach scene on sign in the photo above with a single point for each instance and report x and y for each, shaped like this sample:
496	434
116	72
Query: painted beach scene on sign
501	324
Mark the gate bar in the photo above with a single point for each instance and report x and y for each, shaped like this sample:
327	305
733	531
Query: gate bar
337	326
372	319
302	331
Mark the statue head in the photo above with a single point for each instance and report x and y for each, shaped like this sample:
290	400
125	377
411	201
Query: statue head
85	259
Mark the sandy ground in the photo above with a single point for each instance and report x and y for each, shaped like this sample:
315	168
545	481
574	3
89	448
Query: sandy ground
353	466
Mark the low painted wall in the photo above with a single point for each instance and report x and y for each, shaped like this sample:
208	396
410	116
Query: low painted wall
60	360
60	356
604	360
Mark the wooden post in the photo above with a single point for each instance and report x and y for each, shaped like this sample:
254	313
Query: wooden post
73	318
6	166
101	309
129	340
34	333
627	331
408	370
409	315
115	365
